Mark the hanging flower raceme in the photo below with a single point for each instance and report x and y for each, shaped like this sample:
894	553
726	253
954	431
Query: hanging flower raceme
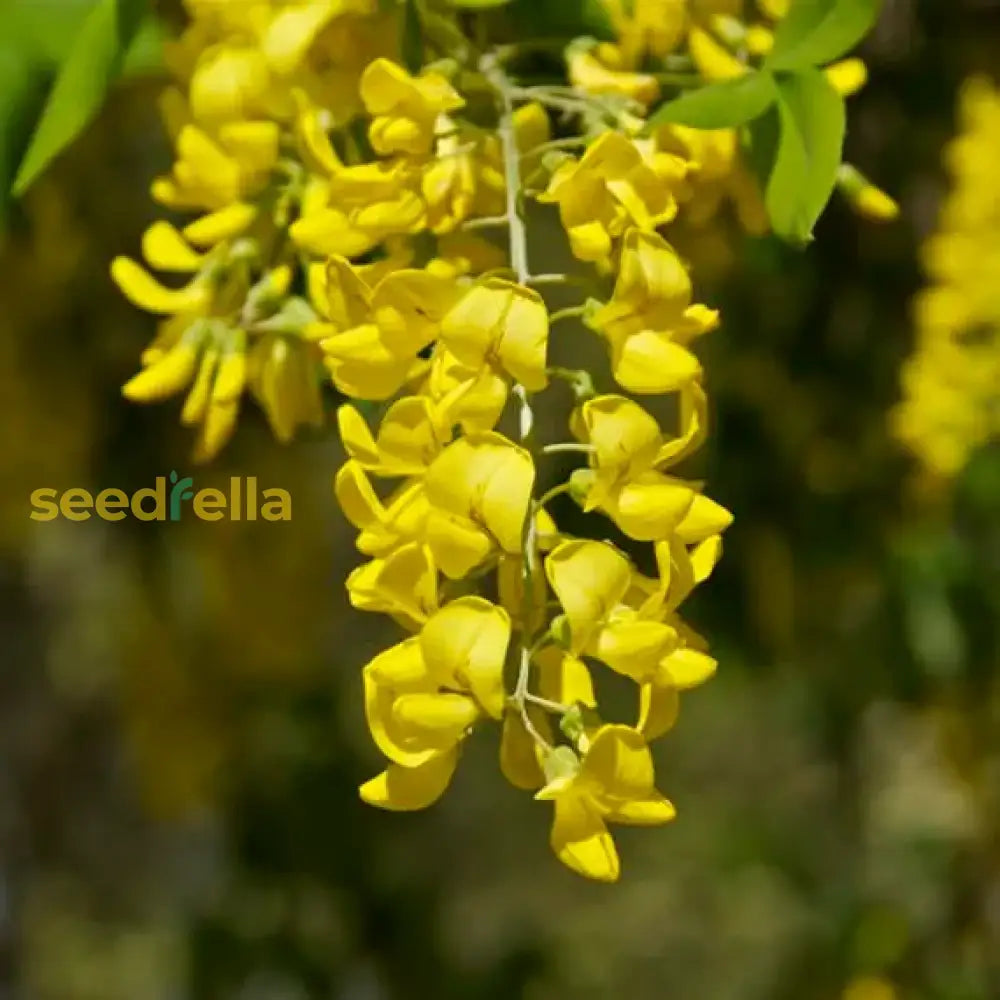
507	617
951	383
362	228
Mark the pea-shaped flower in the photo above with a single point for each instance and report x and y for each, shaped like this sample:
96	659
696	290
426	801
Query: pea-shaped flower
502	324
479	491
650	321
613	783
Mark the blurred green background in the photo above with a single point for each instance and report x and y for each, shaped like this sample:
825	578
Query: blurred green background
181	730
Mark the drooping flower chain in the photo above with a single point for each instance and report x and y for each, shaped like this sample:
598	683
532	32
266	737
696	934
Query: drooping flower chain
341	199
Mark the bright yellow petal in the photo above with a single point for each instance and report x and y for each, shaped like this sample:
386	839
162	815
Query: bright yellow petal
519	761
620	431
634	648
581	841
848	76
357	499
165	249
619	763
564	678
704	518
409	306
458	543
142	290
221	225
714	62
589	578
658	708
465	643
650	507
649	362
356	437
442	716
165	376
406	789
687	668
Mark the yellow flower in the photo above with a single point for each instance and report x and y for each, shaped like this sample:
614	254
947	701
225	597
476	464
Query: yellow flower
404	108
613	783
465	645
647	27
591	581
449	182
607	190
871	202
371	336
595	75
474	397
213	173
650	321
410	436
230	83
714	61
564	678
624	479
520	753
713	173
402	584
416	725
479	489
848	76
502	322
144	291
324	229
215	227
383	526
193	347
283	376
423	695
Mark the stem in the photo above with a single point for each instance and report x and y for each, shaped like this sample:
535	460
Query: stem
518	242
559	279
564	446
574	102
549	706
550	495
570	312
568	142
485	222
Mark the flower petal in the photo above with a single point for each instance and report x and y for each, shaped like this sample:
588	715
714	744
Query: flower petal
405	789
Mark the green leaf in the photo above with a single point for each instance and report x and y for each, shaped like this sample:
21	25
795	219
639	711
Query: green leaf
815	32
43	29
93	63
411	43
720	105
803	167
21	91
477	4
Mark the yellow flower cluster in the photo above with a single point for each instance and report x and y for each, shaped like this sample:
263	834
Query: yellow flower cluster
339	196
261	120
951	383
509	619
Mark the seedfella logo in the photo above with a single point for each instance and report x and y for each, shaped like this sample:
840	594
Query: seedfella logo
244	502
